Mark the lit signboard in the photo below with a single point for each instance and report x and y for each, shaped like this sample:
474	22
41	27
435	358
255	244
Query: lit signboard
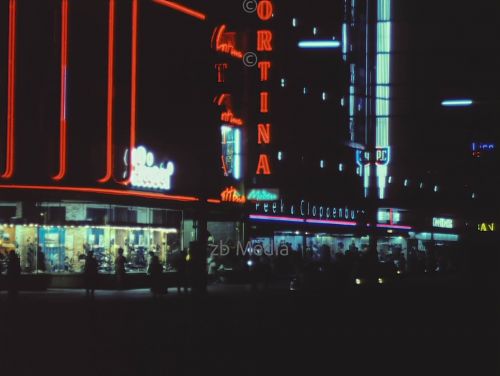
231	152
442	222
231	194
145	174
487	227
305	209
388	215
264	195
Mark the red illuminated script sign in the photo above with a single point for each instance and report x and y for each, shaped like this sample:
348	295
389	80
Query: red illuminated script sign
231	194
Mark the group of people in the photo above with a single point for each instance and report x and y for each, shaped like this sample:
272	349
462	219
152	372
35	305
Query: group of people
155	272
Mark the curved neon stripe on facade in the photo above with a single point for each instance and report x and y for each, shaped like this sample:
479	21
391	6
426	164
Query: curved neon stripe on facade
182	9
276	219
333	223
112	192
64	76
109	120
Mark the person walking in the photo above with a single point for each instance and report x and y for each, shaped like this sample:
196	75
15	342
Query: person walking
13	274
155	272
181	264
90	271
40	260
120	271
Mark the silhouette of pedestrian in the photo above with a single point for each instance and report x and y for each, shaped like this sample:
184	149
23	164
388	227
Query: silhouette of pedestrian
90	271
120	269
155	271
182	272
40	260
13	274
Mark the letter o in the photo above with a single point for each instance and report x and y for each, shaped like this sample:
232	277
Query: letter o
265	10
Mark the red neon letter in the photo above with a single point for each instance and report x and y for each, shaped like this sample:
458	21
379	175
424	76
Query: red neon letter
264	133
265	10
264	102
111	63
11	90
263	167
264	67
264	39
221	68
64	67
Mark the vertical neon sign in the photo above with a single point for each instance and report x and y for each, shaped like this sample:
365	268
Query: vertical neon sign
382	105
265	9
11	91
64	85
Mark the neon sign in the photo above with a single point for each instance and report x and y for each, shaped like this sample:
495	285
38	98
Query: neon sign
145	174
263	195
228	117
265	9
487	227
231	194
225	42
442	222
305	209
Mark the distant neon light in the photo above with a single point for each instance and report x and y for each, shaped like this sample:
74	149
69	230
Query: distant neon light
11	91
182	9
329	222
228	117
263	195
145	174
320	44
225	42
264	134
213	201
263	167
264	40
395	227
112	192
111	64
64	72
276	219
264	67
457	103
264	102
231	194
265	10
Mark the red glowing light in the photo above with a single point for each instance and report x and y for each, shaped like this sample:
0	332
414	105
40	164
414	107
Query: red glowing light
263	168
213	201
265	10
224	165
63	124
228	117
11	91
112	192
264	67
264	40
264	132
231	194
111	63
221	68
182	9
225	42
264	102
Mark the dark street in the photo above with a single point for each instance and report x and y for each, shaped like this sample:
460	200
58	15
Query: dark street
433	329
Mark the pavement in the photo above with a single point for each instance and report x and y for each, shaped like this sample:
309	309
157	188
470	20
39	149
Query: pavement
427	328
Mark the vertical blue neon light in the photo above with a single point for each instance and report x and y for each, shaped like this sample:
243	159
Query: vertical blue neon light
237	154
344	41
383	81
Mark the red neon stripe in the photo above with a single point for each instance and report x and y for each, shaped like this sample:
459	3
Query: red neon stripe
133	91
213	201
9	160
112	192
182	9
396	227
111	67
64	66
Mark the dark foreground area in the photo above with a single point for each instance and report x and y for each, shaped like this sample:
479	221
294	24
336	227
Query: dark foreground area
428	328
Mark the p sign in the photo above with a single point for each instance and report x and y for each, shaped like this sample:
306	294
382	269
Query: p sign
383	156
